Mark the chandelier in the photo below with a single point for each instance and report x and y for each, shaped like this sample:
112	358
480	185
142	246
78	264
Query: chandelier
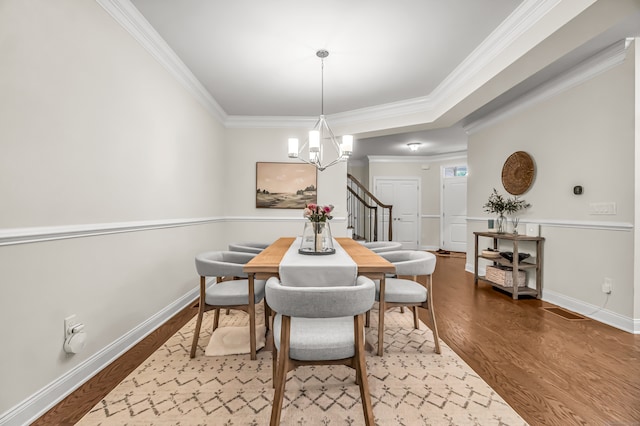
321	149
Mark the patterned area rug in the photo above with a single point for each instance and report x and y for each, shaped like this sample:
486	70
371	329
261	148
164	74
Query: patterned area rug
410	385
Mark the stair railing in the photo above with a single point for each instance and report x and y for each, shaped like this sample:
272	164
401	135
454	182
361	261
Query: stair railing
366	213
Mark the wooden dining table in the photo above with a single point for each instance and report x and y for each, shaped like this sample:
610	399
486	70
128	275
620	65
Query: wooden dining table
267	264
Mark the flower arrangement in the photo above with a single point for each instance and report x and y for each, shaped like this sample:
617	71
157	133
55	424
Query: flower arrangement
501	205
316	213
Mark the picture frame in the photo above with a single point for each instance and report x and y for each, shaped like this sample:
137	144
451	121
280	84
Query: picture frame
285	185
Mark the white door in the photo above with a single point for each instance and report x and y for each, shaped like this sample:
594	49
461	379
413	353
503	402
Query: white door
404	195
454	213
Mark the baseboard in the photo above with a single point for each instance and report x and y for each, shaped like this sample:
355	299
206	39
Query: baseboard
605	316
39	403
613	319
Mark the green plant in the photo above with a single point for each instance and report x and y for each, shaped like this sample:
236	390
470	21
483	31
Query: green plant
500	204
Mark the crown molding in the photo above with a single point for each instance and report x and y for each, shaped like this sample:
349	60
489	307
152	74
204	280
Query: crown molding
516	24
257	122
602	61
132	20
460	155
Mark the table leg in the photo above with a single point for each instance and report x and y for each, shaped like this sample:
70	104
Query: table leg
252	317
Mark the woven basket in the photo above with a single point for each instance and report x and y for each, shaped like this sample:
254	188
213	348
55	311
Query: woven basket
502	275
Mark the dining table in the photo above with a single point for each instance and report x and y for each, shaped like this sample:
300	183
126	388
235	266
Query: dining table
267	264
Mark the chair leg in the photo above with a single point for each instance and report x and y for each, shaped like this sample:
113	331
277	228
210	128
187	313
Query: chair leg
267	314
216	319
402	309
416	323
283	368
361	373
432	313
274	364
381	311
196	332
367	321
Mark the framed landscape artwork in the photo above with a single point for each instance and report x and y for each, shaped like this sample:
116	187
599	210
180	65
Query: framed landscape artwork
285	185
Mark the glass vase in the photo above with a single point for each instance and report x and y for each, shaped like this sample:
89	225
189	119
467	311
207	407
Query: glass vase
501	224
316	239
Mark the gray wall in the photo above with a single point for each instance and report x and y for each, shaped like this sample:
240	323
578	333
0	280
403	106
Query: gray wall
581	136
95	134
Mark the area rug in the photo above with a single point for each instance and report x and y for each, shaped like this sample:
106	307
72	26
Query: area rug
410	385
234	340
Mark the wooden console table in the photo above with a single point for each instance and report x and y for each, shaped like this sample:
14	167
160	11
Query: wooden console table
516	264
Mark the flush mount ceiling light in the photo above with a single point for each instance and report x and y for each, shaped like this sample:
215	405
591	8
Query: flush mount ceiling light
321	148
413	146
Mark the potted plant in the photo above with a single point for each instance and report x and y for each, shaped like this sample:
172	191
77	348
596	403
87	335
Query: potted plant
498	204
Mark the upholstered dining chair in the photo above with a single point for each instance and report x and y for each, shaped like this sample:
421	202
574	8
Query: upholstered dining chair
319	325
382	246
231	290
404	290
248	247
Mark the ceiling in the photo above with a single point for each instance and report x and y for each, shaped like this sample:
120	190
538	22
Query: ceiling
258	58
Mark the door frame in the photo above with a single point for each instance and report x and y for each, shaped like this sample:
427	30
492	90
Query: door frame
442	178
418	181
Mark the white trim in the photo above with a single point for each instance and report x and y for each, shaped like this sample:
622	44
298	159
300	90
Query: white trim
579	224
132	20
40	402
14	236
248	122
613	319
429	248
511	29
604	60
602	315
515	25
460	155
430	216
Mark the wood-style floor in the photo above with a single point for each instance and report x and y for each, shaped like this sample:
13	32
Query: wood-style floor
551	370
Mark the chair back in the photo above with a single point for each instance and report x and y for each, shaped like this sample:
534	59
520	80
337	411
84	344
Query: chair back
411	262
222	263
321	302
383	246
248	247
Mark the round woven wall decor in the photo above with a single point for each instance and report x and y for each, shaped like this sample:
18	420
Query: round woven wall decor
518	173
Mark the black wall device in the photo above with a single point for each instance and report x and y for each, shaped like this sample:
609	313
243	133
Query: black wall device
577	190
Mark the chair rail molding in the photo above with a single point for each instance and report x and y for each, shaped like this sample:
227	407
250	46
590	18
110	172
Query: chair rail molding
14	236
580	224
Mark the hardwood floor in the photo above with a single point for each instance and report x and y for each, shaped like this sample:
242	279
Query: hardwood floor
551	370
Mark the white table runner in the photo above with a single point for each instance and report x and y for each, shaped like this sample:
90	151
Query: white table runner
329	270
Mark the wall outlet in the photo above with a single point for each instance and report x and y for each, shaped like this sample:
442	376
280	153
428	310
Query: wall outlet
69	322
607	285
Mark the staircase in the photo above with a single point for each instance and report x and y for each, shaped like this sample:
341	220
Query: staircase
367	217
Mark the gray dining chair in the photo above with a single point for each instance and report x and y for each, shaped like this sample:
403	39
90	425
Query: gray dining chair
248	247
231	290
382	246
405	291
319	325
